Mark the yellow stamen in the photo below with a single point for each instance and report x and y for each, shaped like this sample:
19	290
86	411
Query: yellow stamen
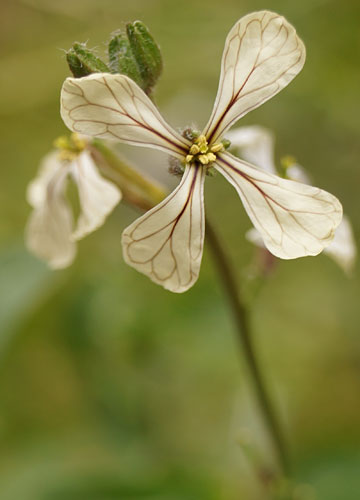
70	147
202	144
203	159
287	161
201	152
78	142
194	150
217	147
61	142
201	139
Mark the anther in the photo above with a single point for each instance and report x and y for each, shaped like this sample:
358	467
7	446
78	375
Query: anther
194	150
217	147
203	159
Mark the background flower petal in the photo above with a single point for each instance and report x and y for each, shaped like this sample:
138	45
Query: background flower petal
98	196
254	144
50	224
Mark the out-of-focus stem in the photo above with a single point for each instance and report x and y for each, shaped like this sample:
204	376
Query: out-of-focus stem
136	188
241	316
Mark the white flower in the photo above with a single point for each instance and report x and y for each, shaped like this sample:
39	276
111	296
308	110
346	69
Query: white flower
50	233
262	55
256	144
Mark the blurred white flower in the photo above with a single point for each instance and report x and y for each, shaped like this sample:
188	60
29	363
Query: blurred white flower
50	232
256	144
262	55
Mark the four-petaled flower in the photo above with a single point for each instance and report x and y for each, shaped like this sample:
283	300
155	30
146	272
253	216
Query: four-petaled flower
50	233
262	55
256	144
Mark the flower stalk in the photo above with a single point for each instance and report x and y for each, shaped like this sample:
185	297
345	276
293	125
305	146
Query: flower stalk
241	315
136	189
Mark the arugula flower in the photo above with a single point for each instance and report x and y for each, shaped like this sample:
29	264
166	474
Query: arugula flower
262	55
50	232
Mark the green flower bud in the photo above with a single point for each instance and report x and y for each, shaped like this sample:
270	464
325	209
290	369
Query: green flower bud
134	54
83	62
226	143
75	65
122	59
146	52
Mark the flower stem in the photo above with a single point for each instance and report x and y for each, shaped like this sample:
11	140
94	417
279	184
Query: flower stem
136	188
245	337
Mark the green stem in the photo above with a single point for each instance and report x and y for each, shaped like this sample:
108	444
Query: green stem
245	338
130	177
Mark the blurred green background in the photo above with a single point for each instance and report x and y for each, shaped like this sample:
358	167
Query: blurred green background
112	388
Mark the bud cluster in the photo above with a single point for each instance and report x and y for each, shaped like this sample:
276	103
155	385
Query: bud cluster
133	53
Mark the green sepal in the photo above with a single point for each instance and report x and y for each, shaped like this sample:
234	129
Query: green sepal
226	143
76	67
147	54
83	62
211	171
122	59
191	134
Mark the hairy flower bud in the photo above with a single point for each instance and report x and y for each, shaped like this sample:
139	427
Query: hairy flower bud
83	62
122	59
146	52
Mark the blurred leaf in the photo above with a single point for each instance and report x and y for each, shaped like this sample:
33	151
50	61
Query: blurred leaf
334	475
112	488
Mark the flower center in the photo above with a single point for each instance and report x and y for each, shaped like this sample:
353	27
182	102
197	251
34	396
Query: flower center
201	152
69	147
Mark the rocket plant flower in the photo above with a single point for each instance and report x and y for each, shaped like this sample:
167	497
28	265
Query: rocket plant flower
256	144
50	232
262	55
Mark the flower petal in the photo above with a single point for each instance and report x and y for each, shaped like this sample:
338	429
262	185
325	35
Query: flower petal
50	167
114	107
255	144
262	55
343	247
254	237
166	243
293	219
98	197
296	172
50	224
